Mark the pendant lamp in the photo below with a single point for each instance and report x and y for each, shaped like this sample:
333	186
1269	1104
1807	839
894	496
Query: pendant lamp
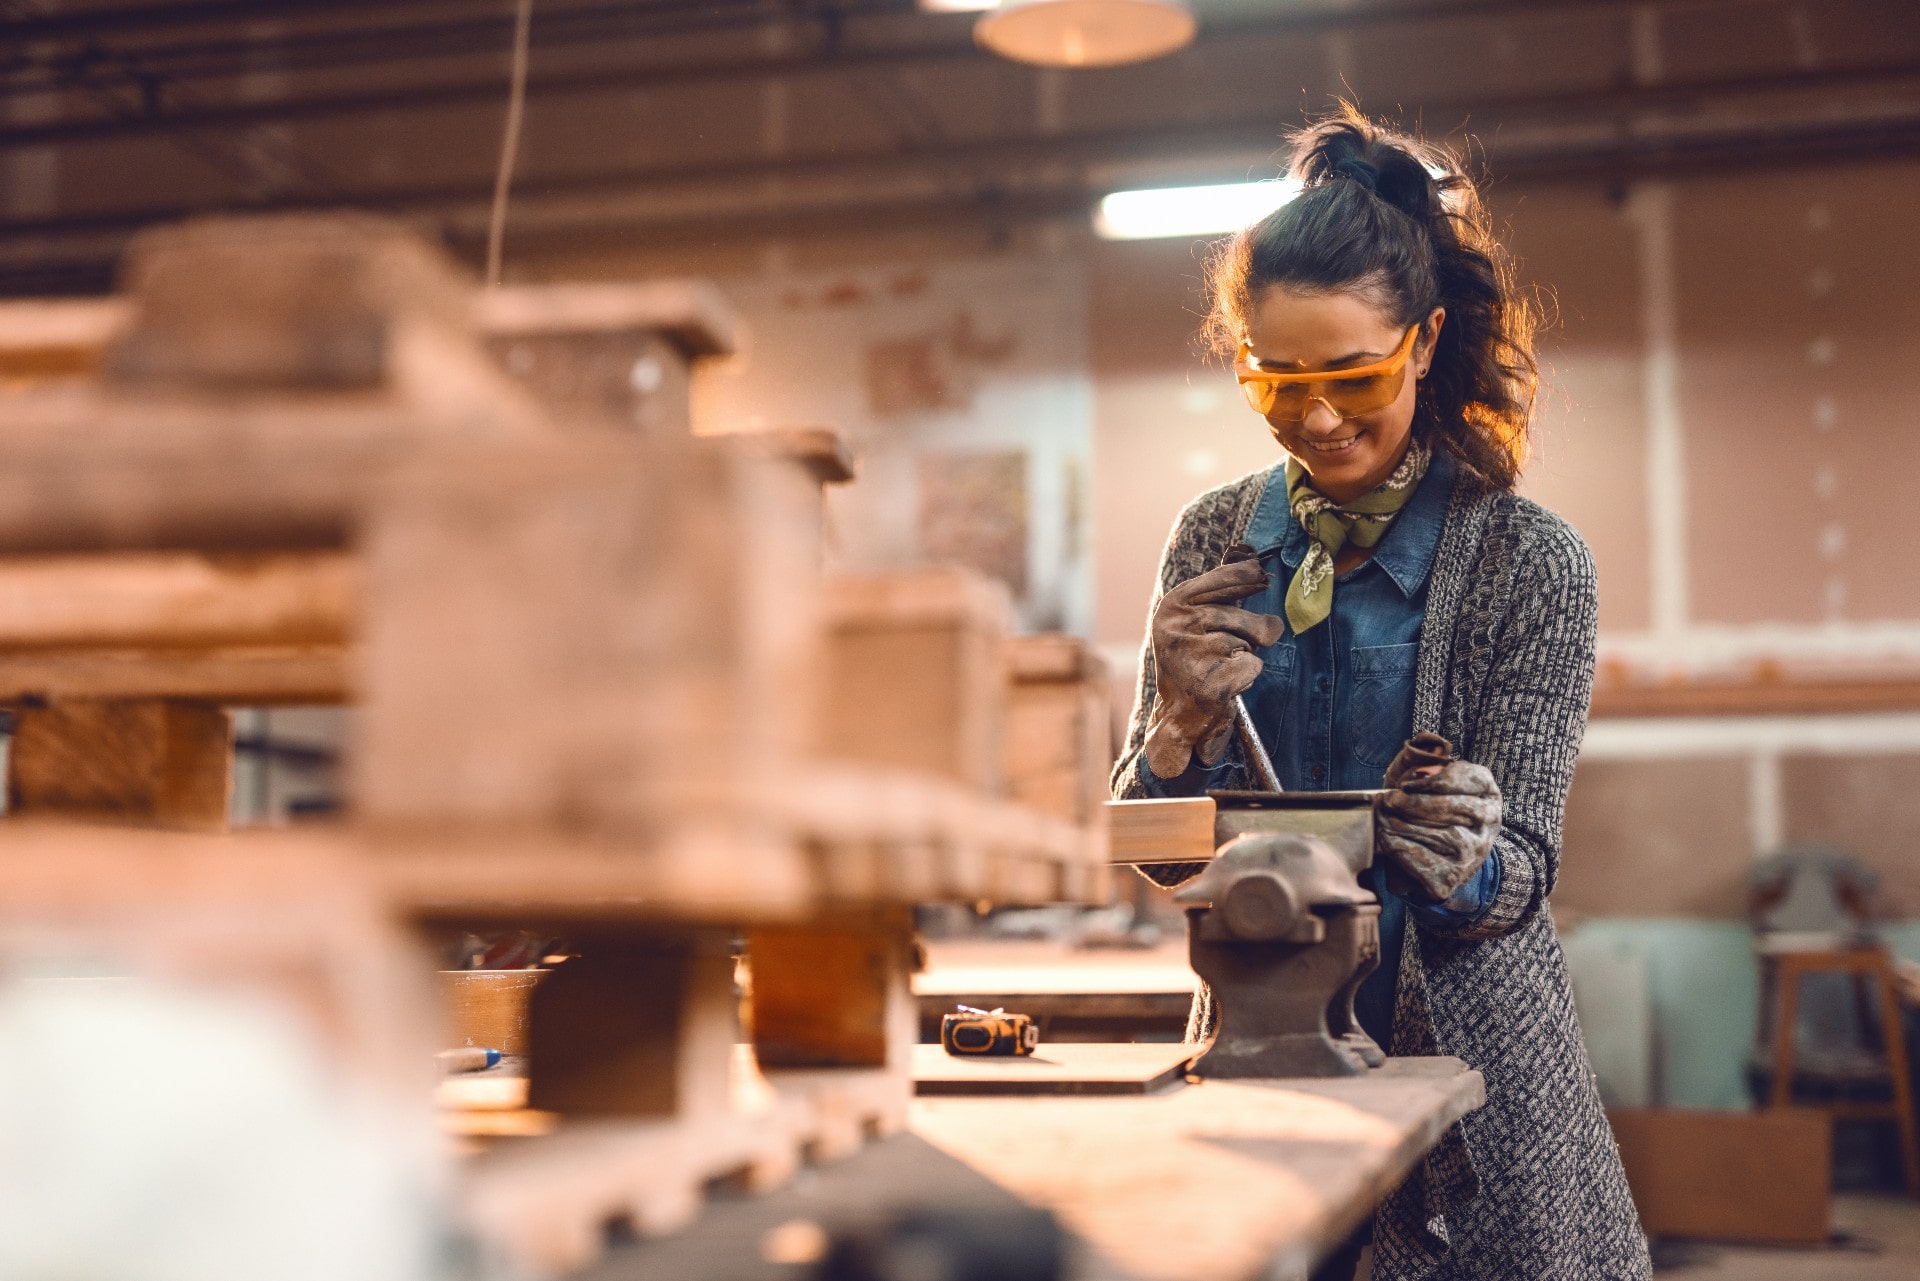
1085	33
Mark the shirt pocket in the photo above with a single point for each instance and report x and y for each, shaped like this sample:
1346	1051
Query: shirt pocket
1272	692
1381	715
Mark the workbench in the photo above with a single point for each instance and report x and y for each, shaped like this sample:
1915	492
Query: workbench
1220	1181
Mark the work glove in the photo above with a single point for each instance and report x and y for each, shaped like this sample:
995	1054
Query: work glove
1434	825
1203	657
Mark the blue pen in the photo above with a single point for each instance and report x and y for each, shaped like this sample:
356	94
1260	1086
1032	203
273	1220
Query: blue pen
468	1058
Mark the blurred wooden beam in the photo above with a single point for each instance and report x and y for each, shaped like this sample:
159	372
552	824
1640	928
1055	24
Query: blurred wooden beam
693	314
182	600
1757	695
240	676
143	761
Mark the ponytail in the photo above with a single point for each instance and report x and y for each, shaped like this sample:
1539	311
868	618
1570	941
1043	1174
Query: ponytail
1390	217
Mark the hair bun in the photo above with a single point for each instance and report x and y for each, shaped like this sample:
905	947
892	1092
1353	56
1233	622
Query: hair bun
1353	148
1359	171
1406	185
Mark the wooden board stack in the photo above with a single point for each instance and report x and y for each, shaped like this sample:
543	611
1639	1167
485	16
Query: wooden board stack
600	685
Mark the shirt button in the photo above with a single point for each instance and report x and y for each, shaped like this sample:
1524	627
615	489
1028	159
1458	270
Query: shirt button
1319	773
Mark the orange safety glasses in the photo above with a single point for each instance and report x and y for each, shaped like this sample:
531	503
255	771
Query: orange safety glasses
1347	392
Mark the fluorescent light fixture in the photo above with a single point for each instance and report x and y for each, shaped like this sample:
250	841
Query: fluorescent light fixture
956	6
1189	211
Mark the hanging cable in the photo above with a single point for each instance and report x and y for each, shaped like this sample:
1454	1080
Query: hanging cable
509	141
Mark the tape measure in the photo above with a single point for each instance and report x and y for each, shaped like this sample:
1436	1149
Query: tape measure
972	1033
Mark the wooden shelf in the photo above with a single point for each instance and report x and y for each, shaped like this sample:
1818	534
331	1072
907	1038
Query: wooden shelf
838	836
313	465
846	837
1757	696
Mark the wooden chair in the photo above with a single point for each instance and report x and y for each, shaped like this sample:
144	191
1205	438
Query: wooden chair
1784	963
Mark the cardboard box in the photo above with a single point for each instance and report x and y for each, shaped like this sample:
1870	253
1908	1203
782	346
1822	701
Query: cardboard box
1730	1176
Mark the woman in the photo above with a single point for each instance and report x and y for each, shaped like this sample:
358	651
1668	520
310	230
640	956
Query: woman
1390	581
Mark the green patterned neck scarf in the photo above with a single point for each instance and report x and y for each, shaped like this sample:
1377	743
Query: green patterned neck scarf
1331	526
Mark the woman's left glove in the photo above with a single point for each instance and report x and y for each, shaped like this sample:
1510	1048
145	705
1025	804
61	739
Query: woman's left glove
1435	823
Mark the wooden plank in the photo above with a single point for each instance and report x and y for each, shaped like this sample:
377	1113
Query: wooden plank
635	1025
635	381
1055	1068
1175	830
272	370
758	861
300	300
608	596
1022	968
549	1202
132	761
1075	994
547	1196
1054	656
1059	740
1730	1176
913	673
160	600
822	451
1780	697
693	313
489	1008
834	1111
1226	1180
736	1238
515	874
57	337
254	676
833	995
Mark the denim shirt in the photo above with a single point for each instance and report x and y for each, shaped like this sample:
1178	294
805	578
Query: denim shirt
1334	705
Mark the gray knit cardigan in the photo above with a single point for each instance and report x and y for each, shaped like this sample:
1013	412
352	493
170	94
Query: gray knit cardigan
1529	1187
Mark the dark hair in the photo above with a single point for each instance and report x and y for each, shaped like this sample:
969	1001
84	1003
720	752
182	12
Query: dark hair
1373	218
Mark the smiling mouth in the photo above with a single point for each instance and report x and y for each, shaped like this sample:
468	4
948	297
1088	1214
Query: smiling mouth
1334	447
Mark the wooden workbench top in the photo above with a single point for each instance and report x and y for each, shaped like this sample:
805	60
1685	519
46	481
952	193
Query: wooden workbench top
1225	1180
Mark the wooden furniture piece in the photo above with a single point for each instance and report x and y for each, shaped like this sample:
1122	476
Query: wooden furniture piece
1783	964
587	665
1229	1181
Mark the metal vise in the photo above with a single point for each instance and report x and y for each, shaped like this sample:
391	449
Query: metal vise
1284	934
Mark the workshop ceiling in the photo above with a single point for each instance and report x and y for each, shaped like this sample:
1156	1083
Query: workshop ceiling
676	122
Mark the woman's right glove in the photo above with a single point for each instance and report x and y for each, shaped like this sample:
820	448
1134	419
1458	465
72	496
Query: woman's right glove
1203	657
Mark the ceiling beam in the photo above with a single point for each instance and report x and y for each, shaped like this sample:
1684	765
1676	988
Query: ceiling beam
91	23
835	47
1614	161
1001	162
